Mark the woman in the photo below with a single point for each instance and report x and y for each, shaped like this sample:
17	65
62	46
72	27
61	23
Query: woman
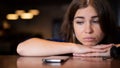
89	30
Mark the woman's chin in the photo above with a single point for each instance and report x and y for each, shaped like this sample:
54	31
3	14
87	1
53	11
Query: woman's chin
89	44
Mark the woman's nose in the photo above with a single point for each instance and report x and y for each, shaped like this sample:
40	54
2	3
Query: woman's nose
88	28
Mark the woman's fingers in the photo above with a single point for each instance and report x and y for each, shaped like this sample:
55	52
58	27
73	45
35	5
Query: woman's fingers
97	50
94	49
102	46
92	54
107	53
90	50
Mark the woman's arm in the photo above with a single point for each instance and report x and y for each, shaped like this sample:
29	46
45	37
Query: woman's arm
41	47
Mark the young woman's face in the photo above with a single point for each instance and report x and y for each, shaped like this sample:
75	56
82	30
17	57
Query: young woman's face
87	26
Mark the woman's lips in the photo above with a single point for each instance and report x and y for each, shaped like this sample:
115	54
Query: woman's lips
89	39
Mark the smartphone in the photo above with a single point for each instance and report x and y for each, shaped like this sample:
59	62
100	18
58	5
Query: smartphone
55	59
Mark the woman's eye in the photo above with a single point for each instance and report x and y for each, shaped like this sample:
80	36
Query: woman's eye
95	21
79	22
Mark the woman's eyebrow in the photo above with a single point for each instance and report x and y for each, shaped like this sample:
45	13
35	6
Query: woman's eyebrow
94	17
79	17
83	17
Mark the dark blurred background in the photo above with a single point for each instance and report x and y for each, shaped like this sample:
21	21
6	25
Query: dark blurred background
45	23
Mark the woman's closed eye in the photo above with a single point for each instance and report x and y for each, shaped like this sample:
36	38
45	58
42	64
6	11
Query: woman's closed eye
95	21
80	22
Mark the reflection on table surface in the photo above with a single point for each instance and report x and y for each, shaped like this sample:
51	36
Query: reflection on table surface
12	61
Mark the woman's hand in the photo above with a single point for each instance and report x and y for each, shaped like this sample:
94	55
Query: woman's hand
98	50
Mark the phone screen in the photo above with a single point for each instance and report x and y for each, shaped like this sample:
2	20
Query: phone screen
55	59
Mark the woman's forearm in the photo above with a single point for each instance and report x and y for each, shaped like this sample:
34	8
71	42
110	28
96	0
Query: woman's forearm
40	47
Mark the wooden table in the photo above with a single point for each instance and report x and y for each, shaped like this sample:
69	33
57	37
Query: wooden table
12	61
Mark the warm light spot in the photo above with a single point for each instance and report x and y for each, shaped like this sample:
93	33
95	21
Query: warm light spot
26	16
34	11
6	25
12	16
19	12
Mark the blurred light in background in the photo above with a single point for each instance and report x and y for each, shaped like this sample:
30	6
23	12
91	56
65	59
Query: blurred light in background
12	16
26	16
34	11
19	12
6	25
23	15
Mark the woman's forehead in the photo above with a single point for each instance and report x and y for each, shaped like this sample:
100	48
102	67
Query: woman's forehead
86	11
